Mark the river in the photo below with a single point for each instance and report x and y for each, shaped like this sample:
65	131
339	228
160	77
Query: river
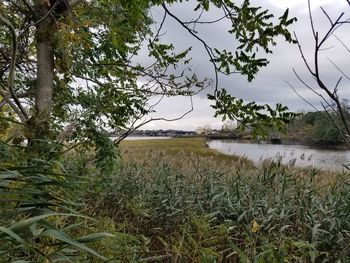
300	155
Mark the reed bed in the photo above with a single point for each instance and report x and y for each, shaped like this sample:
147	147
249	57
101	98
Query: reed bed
178	201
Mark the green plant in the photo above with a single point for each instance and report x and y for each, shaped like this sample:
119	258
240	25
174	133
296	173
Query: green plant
196	211
38	213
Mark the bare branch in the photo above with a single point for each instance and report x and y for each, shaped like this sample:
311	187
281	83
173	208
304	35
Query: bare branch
335	90
311	19
303	56
326	14
339	69
133	128
310	88
344	45
160	26
331	30
298	94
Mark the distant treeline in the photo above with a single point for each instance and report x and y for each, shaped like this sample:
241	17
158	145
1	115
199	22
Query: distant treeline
317	128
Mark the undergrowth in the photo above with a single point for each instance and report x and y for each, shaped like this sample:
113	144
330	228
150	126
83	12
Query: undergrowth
174	204
185	208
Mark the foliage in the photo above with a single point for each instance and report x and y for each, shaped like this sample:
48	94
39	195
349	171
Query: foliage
331	100
69	71
324	130
100	78
262	118
319	127
38	213
186	208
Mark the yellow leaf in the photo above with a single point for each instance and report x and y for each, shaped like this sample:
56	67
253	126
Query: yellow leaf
255	226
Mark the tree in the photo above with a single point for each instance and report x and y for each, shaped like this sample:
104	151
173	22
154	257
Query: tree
69	69
335	111
318	128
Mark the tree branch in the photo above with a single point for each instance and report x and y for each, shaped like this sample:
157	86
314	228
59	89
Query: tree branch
133	128
13	106
207	48
11	76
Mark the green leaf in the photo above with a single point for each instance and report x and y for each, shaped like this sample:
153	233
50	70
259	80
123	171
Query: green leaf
94	237
29	221
12	234
56	234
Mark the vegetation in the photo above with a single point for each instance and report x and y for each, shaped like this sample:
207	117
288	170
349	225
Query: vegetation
317	128
170	203
331	100
70	70
179	146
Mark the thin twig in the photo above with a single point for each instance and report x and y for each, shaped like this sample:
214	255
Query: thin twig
29	6
311	19
133	128
339	69
205	45
298	94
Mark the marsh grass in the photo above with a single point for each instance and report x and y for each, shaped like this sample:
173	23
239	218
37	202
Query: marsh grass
178	201
196	146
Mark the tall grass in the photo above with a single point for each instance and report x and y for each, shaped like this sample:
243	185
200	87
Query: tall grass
38	213
166	202
185	207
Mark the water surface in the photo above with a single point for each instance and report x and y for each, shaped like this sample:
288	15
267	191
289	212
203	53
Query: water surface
300	155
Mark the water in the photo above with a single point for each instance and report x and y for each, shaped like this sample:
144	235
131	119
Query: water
300	155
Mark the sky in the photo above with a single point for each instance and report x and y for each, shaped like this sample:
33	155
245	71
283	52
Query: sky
270	85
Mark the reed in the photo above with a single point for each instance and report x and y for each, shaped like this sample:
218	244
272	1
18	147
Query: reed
194	205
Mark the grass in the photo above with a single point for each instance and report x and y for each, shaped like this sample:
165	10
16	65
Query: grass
182	152
178	201
174	146
188	152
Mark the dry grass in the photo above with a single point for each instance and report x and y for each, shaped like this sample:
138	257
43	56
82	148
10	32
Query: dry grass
175	146
183	153
187	153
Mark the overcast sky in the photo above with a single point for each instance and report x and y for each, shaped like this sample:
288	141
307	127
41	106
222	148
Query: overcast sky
270	85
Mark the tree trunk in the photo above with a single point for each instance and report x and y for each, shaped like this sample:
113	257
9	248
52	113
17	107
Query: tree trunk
40	121
45	36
